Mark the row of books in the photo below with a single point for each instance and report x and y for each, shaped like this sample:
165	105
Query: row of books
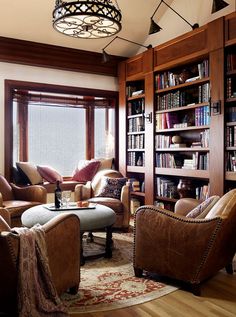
231	62
190	96
199	161
231	136
135	141
136	107
203	192
231	114
136	159
170	79
168	160
136	124
230	88
166	187
202	116
230	161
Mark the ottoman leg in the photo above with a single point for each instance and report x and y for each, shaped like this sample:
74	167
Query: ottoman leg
108	248
82	259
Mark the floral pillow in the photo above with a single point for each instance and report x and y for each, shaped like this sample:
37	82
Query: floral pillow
202	210
85	171
111	187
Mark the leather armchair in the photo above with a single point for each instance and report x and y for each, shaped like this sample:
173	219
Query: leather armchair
186	249
121	207
17	199
63	248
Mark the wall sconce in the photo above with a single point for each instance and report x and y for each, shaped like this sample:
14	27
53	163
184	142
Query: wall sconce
106	57
154	27
148	117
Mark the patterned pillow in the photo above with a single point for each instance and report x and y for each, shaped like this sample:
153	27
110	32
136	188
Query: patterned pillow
49	174
85	170
202	210
111	187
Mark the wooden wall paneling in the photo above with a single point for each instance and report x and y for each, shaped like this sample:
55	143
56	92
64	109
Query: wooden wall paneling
217	165
230	29
149	139
139	65
57	57
181	50
215	27
122	118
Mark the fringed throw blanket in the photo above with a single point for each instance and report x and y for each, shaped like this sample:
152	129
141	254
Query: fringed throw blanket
37	296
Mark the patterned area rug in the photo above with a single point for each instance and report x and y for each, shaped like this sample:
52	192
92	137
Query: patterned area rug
108	284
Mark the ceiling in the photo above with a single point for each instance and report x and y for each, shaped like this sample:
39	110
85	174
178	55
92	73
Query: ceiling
31	20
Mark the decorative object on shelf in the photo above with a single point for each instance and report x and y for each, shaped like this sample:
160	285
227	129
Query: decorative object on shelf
185	188
218	5
154	27
87	19
106	57
184	75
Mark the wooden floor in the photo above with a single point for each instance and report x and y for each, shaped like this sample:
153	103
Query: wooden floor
218	298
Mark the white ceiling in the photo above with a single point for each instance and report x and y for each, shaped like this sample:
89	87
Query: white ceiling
32	20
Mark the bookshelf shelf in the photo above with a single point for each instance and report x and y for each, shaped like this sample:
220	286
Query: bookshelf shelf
138	194
135	132
176	87
136	97
186	149
230	176
182	172
231	99
135	169
191	128
135	116
136	150
181	108
171	200
231	72
230	124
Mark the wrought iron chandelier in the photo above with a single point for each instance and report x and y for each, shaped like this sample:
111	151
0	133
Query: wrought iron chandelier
87	19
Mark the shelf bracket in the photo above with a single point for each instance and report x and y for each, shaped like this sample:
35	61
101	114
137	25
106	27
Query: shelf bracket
148	117
216	108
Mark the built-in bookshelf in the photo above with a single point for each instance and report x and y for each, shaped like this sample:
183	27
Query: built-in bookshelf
230	117
186	130
182	125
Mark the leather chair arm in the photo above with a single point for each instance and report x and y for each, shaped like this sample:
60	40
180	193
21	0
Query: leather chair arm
164	242
125	199
1	200
184	205
63	246
83	191
30	193
6	215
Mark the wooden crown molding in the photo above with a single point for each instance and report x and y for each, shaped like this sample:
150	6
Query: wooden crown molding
57	57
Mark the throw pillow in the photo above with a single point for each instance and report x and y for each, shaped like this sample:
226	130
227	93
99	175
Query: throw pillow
111	187
105	163
30	171
85	170
202	210
49	174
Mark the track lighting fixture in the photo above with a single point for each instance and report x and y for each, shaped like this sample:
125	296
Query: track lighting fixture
217	5
154	27
106	57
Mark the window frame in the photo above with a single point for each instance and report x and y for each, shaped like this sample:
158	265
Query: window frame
12	85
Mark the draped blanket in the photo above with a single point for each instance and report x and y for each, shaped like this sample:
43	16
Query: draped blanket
37	296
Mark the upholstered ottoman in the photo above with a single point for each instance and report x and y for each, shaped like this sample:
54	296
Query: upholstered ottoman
92	219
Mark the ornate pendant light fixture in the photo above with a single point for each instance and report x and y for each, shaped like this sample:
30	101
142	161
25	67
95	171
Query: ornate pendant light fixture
87	19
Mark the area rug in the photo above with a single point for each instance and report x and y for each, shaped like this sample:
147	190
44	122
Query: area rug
108	284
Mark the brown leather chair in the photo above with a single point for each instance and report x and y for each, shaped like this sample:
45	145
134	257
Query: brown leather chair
186	249
18	199
63	248
121	207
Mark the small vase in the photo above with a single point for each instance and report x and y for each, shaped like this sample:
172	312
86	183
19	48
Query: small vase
185	189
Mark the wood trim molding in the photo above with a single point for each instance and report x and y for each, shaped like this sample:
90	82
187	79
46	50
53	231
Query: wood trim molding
57	57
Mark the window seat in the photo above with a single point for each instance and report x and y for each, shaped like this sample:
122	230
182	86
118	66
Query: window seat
65	185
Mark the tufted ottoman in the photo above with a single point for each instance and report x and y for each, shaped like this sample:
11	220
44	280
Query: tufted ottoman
92	219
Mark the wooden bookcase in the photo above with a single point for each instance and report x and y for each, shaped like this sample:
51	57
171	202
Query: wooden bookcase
183	96
230	102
